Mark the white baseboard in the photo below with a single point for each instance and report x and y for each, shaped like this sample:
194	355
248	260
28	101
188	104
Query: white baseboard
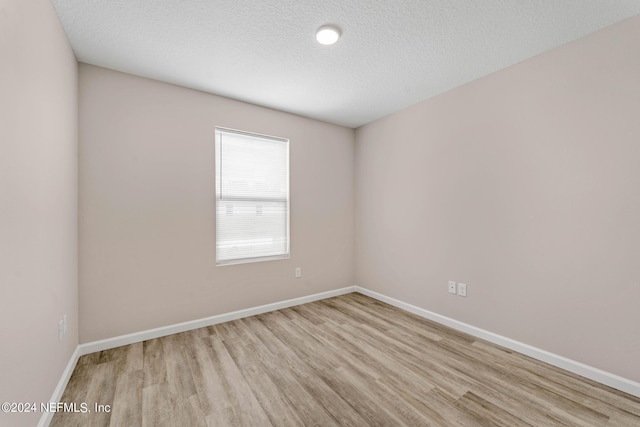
586	371
592	373
46	417
108	343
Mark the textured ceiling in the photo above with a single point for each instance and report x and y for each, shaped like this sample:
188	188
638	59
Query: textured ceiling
392	54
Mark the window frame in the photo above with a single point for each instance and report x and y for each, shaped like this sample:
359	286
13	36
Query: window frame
219	130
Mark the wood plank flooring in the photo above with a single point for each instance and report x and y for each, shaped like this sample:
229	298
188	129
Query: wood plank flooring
349	360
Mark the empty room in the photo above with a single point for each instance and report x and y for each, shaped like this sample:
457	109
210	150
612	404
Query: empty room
341	212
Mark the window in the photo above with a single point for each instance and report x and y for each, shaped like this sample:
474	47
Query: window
252	197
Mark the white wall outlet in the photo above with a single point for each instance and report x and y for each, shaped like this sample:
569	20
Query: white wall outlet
452	287
60	329
462	289
298	272
64	325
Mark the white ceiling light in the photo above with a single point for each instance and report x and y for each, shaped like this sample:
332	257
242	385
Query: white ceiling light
327	35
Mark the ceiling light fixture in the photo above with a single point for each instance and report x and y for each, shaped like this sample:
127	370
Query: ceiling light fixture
327	35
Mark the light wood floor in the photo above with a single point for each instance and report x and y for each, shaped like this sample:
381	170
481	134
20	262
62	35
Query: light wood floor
349	360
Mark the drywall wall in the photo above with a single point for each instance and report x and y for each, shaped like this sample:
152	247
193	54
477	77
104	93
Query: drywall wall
147	199
524	185
38	203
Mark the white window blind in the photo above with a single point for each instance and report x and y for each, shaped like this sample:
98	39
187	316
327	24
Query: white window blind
252	197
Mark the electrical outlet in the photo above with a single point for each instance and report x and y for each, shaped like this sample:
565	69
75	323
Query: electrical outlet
452	287
462	289
60	329
64	325
298	272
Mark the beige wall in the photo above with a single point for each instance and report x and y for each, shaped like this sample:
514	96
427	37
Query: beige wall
38	203
147	198
526	186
